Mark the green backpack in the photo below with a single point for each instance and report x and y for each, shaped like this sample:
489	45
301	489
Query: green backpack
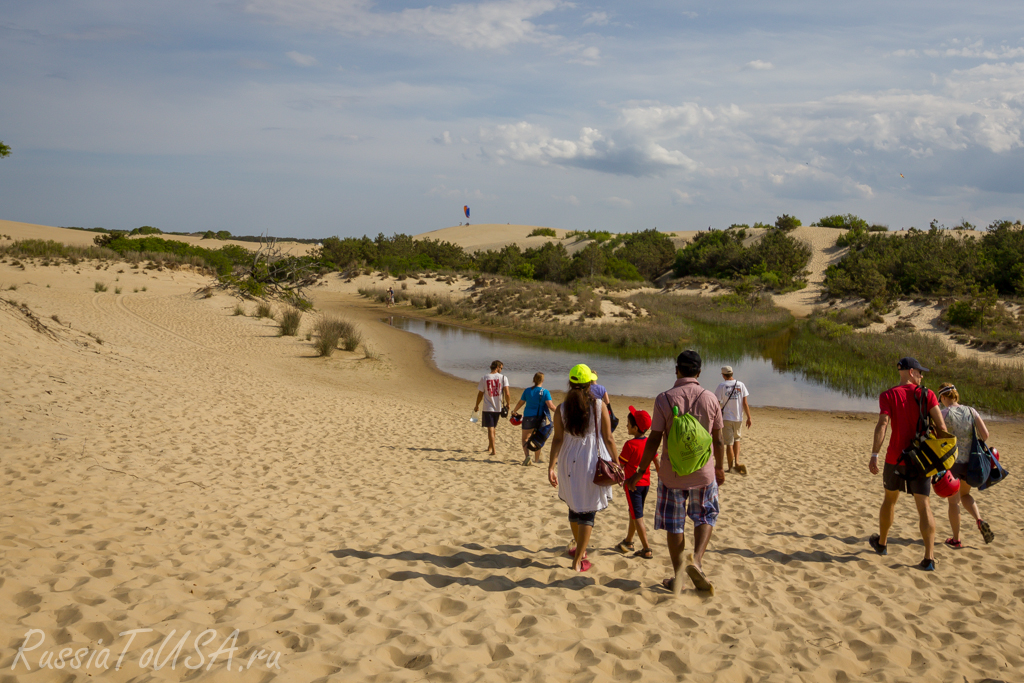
689	444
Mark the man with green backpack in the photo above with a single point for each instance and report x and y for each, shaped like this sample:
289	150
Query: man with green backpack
687	423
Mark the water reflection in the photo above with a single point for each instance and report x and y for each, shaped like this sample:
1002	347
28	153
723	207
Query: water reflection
468	354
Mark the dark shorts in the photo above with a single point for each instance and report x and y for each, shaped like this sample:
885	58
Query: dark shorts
582	518
490	419
959	470
894	482
532	422
635	500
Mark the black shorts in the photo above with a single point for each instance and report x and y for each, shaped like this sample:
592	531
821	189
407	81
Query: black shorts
532	422
490	419
894	482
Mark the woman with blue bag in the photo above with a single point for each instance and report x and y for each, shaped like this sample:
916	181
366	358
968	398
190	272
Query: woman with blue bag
539	407
966	424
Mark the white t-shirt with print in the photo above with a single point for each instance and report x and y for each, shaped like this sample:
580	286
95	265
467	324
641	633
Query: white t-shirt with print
733	410
492	386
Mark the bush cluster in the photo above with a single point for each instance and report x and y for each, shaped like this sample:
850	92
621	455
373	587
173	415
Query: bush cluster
932	263
776	260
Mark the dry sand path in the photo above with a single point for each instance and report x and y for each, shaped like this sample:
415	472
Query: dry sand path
196	471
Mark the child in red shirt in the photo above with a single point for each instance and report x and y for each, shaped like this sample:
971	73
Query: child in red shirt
638	422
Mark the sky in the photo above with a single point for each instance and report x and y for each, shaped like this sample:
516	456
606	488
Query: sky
312	118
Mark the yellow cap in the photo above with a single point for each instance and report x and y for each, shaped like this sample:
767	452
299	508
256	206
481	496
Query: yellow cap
581	374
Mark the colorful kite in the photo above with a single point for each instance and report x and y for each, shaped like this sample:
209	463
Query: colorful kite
466	209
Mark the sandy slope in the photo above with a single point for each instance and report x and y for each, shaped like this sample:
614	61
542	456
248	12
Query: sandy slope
197	471
82	238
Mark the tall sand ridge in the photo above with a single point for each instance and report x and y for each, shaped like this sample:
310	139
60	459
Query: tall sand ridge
170	465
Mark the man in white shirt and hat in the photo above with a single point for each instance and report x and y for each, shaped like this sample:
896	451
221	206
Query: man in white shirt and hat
732	396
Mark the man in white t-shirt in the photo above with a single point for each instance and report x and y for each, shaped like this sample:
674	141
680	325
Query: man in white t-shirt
494	392
732	396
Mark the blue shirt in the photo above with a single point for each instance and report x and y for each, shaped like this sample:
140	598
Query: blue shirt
536	399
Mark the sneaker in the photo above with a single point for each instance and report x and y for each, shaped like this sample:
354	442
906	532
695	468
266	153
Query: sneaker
876	546
927	565
955	544
986	531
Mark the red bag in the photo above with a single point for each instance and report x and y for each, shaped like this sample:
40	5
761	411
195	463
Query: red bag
608	472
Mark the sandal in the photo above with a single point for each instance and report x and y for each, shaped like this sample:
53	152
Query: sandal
953	543
585	565
624	547
986	531
668	584
700	581
644	553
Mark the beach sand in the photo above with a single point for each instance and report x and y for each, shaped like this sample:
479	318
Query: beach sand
197	471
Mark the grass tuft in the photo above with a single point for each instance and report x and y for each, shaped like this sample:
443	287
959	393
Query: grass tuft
99	287
290	320
330	330
263	310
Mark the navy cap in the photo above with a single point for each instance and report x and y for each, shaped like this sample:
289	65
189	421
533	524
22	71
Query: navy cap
909	363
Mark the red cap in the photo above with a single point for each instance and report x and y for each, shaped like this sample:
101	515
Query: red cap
641	417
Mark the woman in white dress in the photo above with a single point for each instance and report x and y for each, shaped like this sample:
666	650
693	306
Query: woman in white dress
962	421
583	433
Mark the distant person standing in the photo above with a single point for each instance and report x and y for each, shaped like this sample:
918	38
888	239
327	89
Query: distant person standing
899	406
732	396
493	391
391	297
964	422
539	405
600	393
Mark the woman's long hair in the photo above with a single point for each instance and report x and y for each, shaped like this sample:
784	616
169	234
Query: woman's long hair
576	409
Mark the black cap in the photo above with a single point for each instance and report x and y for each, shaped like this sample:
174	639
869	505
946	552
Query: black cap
688	360
909	363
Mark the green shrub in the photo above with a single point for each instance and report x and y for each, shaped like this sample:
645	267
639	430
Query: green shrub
146	230
787	222
239	309
290	320
543	232
223	235
263	310
329	330
99	287
776	260
846	221
965	314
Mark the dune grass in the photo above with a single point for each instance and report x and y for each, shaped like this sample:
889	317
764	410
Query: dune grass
330	330
865	364
290	320
263	310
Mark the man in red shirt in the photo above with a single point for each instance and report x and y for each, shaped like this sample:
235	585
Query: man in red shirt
899	406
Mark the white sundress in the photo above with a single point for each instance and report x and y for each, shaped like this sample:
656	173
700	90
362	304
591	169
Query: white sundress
577	462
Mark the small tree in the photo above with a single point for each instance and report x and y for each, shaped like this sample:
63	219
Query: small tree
5	151
787	222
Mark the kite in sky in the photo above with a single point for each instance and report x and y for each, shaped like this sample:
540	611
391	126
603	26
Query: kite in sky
466	209
901	176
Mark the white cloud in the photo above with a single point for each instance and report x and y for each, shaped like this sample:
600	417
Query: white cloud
680	197
444	138
301	59
618	202
526	143
758	65
588	56
570	199
491	25
596	19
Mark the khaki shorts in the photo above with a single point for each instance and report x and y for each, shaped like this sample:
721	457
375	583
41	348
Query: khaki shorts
731	431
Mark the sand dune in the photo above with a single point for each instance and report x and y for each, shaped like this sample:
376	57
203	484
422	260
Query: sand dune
84	238
197	471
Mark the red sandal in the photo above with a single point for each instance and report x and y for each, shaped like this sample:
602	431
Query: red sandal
953	543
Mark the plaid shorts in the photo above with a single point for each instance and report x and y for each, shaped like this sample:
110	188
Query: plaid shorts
675	505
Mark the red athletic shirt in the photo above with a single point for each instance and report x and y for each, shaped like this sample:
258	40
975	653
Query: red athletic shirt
632	454
900	404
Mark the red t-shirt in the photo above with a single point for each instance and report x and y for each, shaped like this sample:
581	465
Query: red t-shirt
900	404
632	454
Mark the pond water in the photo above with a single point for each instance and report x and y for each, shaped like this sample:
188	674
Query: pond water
467	354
